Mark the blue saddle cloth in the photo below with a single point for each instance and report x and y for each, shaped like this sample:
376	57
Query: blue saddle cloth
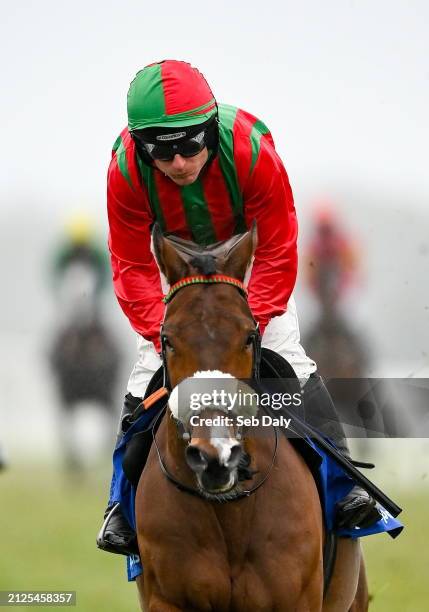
332	481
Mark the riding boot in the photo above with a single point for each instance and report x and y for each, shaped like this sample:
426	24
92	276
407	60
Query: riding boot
116	535
357	508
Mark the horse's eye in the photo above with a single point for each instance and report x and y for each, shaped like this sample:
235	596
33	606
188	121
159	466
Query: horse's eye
249	341
167	344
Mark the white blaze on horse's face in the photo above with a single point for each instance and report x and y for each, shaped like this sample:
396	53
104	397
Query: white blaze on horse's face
223	445
219	436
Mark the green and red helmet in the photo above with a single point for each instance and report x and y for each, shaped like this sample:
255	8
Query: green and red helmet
169	94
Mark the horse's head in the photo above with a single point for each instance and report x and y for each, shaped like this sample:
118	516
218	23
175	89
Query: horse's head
208	333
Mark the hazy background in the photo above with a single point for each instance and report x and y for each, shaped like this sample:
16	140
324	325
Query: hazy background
343	86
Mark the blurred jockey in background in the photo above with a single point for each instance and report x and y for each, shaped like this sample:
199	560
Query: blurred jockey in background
332	258
80	271
84	356
332	271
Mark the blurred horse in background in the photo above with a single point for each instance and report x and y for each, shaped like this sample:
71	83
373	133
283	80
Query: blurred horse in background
332	269
84	356
339	350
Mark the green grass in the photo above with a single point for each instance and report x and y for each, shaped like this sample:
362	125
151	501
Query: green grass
48	540
398	570
48	531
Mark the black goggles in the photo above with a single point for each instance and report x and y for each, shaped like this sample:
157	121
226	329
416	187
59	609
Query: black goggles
167	151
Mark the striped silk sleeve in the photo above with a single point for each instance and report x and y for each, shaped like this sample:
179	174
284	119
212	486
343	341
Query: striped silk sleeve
136	278
268	199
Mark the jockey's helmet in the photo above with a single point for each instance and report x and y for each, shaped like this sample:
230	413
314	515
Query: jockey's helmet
171	109
80	228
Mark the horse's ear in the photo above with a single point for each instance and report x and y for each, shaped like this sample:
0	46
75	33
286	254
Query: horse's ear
240	257
169	261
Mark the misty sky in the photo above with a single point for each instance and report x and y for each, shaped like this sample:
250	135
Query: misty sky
343	85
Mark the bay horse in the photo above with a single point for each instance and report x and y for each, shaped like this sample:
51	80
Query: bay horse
254	553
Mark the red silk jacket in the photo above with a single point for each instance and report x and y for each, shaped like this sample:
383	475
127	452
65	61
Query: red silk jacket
246	180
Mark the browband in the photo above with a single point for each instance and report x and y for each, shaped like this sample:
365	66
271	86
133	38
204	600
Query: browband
204	279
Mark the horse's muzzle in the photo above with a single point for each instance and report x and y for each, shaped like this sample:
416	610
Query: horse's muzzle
214	476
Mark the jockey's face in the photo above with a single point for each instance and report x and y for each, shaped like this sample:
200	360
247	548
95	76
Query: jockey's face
183	170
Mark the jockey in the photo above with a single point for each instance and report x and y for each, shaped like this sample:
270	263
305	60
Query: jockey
204	171
332	258
79	272
80	247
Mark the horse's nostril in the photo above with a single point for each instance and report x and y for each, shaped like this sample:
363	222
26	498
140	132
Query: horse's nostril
235	456
195	458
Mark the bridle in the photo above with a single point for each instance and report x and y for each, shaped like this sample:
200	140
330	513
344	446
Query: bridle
184	433
197	492
211	279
